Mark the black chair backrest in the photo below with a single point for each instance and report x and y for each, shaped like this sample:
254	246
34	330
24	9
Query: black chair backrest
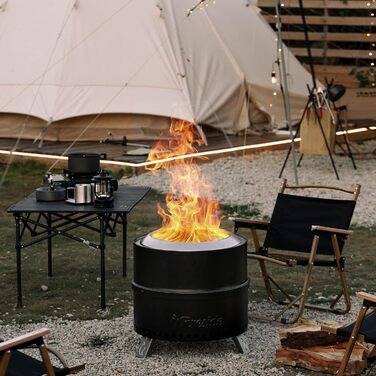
293	216
367	329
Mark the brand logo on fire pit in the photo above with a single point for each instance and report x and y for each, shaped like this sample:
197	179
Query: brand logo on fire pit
198	322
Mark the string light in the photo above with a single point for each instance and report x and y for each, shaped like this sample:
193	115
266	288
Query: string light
200	5
274	79
371	73
273	74
179	157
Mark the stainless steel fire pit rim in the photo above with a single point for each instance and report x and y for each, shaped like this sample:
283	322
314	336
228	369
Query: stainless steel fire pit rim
231	241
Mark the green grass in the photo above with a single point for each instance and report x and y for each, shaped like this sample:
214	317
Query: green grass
73	291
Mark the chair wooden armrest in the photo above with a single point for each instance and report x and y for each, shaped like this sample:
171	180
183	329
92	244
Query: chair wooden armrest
331	230
366	296
249	223
25	338
258	256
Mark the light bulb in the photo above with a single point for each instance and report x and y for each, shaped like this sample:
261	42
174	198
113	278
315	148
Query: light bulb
274	79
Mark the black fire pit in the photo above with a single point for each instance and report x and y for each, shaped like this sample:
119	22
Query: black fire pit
190	291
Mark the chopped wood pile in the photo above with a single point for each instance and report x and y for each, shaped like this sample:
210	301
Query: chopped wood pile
316	347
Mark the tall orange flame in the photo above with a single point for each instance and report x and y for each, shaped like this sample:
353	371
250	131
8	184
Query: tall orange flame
191	215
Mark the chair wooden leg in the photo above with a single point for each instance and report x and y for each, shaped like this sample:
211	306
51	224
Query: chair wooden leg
57	355
264	271
288	296
307	281
266	278
46	360
352	341
342	276
293	302
336	300
299	300
344	286
4	362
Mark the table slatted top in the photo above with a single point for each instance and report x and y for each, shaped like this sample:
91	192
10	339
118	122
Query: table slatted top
125	199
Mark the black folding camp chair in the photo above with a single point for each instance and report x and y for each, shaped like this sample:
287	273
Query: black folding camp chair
303	231
364	325
13	362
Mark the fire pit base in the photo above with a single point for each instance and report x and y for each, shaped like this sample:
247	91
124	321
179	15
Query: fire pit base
146	346
188	292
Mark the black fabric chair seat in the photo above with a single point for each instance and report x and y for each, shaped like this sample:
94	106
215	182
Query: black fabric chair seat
25	365
368	329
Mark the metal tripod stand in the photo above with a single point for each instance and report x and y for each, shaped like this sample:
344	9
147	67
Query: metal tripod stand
346	139
311	102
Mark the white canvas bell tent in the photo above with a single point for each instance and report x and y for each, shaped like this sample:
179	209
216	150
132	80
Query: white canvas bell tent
84	68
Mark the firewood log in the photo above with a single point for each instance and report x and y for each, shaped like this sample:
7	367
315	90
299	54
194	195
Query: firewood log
316	346
325	359
307	334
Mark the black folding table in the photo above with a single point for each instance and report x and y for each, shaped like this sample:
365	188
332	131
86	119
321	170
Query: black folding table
45	220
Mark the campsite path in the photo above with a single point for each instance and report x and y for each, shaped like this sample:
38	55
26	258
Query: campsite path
253	180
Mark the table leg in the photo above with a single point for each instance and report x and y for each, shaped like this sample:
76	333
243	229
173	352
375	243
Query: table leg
125	244
102	256
18	247
49	245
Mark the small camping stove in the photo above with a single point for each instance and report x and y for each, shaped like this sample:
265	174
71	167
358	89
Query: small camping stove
190	291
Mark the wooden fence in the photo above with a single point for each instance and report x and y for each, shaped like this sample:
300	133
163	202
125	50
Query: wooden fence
342	37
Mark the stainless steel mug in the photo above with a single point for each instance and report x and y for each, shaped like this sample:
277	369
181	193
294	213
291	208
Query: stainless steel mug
80	194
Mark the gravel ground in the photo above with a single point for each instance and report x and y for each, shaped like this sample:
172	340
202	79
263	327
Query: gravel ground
107	347
253	180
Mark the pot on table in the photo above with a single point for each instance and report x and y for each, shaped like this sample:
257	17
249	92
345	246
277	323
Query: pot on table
85	163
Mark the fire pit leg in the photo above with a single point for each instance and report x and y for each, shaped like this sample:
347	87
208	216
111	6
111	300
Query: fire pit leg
241	344
144	349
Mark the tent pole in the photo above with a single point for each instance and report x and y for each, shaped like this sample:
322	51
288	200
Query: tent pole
308	46
284	87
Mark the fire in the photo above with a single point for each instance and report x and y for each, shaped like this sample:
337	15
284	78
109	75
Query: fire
191	214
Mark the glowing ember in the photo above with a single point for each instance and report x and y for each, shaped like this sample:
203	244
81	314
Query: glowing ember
191	215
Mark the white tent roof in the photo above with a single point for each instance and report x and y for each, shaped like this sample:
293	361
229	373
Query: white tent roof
67	58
